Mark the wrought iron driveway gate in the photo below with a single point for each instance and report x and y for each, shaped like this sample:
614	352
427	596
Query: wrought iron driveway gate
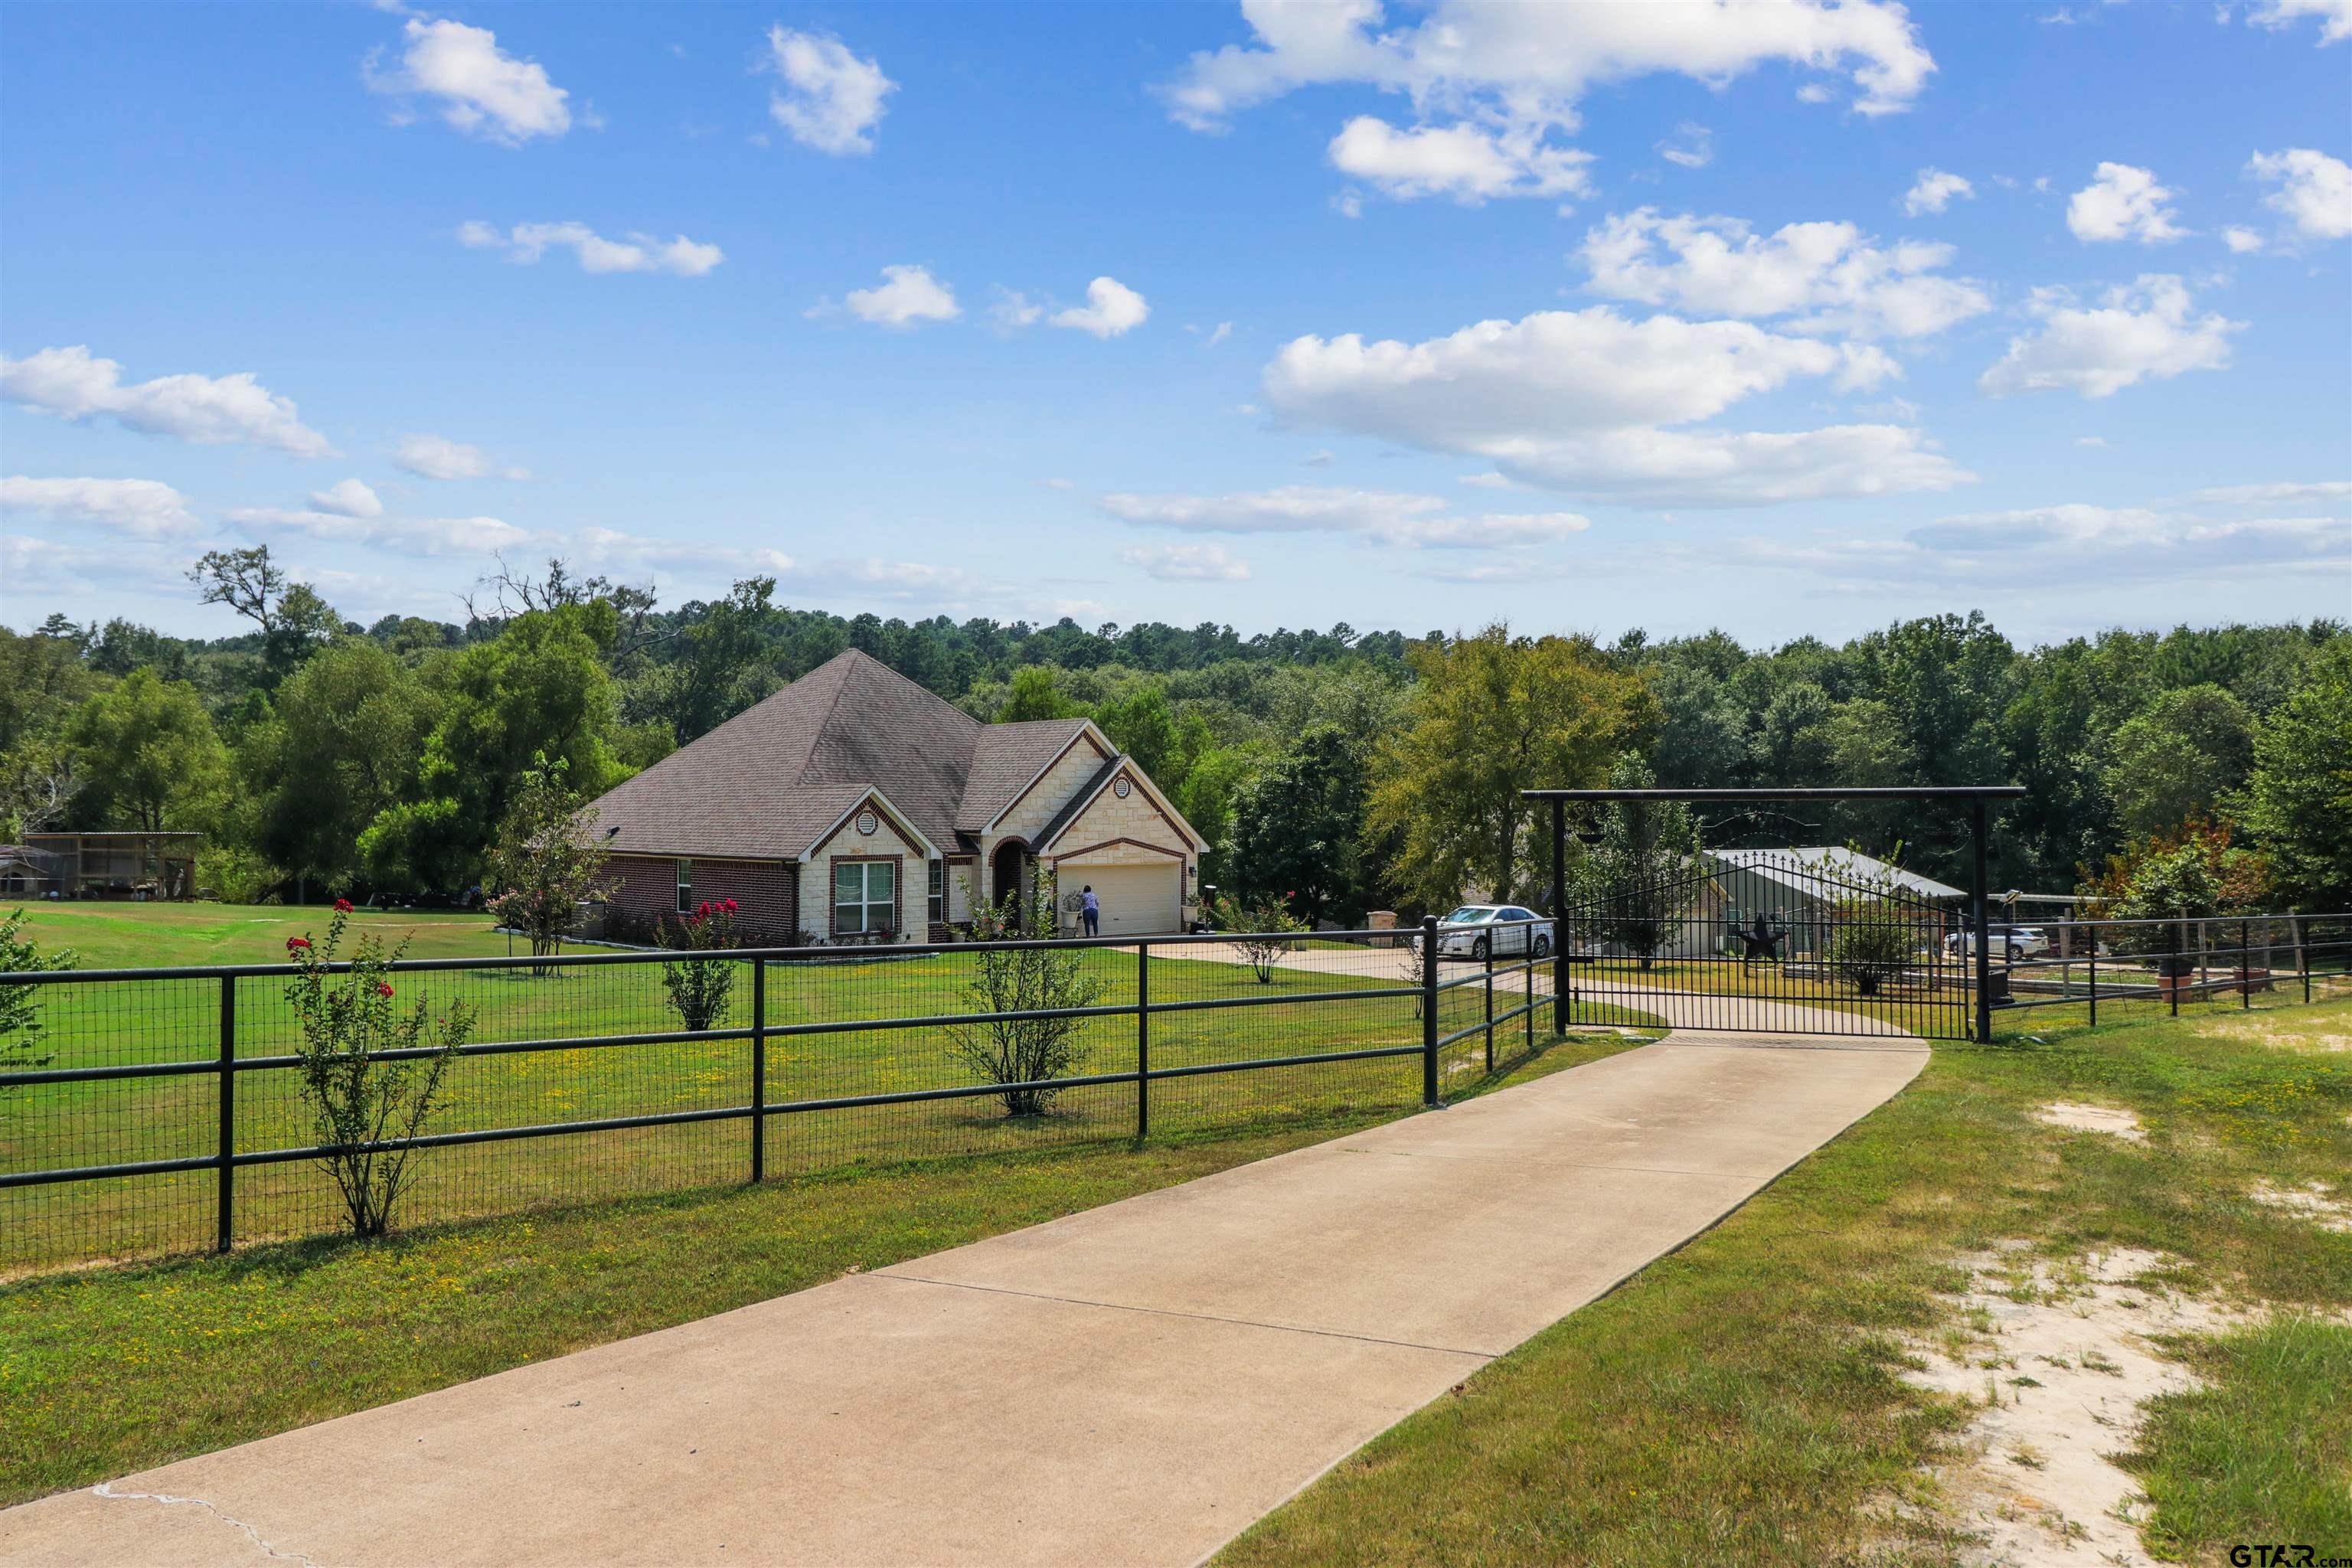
1779	943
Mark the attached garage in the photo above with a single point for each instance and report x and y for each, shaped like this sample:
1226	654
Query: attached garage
1137	900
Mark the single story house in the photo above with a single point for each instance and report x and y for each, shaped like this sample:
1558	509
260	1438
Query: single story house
854	806
1795	888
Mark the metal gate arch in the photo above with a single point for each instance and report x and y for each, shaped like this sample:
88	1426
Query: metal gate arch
1846	954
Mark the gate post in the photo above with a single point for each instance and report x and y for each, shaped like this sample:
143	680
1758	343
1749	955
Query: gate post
1142	1040
1977	912
1559	918
1429	1011
759	1070
226	1197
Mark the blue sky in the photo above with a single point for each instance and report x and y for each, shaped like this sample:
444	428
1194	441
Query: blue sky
1411	317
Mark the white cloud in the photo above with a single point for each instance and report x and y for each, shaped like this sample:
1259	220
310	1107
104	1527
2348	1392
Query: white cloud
348	498
2099	442
1322	459
1692	146
1827	276
208	410
2242	241
1386	517
1467	163
909	294
438	457
2315	191
405	536
1013	311
2334	16
1188	562
2139	331
832	100
1933	191
1111	308
527	242
102	573
142	509
483	90
608	547
1530	64
1572	401
2275	494
2123	203
1224	330
1485	481
1815	92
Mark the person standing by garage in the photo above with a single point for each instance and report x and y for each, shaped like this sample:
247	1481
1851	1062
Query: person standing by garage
1090	910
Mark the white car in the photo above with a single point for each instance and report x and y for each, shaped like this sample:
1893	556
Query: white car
2008	942
1473	931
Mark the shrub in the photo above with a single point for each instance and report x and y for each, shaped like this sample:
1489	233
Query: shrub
699	987
1023	979
1257	928
1873	940
21	1029
367	1097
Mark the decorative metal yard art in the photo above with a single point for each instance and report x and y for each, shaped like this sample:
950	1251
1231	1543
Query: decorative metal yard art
1777	941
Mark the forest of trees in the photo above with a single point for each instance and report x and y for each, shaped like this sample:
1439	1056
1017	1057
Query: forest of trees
1338	769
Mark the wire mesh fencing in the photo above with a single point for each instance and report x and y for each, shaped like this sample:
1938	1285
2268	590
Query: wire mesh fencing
169	1113
2201	966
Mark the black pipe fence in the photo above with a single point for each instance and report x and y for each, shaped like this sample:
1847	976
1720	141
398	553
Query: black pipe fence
2113	971
169	1115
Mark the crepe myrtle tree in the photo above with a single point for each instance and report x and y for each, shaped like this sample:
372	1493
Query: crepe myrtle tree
1258	928
1008	978
548	857
700	988
373	1071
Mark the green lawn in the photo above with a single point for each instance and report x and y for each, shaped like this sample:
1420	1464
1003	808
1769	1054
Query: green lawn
165	1020
157	936
111	1369
1739	1402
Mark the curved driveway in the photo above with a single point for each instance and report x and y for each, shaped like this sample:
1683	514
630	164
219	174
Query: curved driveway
1132	1384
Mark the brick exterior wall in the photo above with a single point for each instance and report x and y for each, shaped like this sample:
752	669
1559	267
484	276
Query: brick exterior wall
643	887
885	843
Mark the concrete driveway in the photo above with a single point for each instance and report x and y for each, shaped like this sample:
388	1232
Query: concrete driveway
1133	1385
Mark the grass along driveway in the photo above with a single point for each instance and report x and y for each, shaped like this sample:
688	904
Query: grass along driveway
1747	1401
165	1020
108	1371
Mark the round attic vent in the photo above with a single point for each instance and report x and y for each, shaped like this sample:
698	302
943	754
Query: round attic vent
1120	785
867	822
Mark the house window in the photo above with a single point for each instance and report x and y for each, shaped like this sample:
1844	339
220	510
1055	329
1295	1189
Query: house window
685	886
938	892
865	895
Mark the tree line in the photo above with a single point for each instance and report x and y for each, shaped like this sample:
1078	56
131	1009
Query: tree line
1331	770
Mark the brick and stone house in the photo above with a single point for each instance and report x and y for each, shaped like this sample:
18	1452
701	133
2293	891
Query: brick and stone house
854	806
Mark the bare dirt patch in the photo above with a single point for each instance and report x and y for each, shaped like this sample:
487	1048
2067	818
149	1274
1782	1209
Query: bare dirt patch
2284	1031
2058	1361
2314	1201
2104	1118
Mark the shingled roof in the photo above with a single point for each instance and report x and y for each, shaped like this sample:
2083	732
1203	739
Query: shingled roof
765	785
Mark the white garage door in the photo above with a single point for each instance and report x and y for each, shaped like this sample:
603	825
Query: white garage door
1137	900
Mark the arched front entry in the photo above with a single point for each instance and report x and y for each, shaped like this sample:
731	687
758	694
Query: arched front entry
1008	876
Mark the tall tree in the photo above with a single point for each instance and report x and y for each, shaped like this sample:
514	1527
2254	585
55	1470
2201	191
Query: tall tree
2178	758
1297	827
339	746
540	686
149	756
1495	714
2298	805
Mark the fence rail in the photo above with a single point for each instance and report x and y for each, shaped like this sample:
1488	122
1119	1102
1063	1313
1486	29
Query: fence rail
833	1057
2095	963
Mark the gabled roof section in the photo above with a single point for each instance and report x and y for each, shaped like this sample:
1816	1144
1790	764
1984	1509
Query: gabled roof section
769	781
1807	869
1006	759
1087	795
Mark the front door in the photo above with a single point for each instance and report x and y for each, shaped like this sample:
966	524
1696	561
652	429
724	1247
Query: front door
1008	877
